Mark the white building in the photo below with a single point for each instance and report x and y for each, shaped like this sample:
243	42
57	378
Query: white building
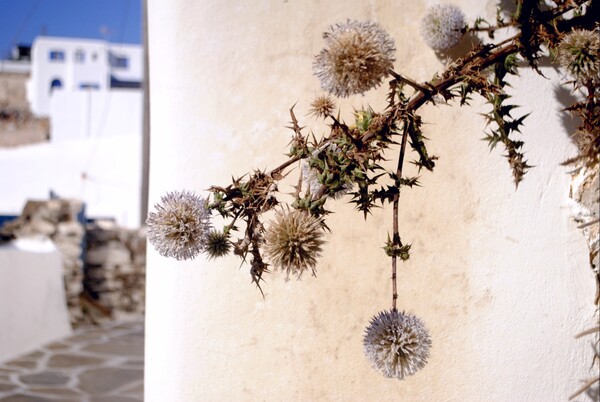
80	64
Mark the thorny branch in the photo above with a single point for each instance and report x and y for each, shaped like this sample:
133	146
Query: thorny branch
350	158
250	198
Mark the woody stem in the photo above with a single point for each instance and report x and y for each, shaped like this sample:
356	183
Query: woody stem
396	236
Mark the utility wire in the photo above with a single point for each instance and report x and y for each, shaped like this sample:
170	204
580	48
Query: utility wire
99	133
26	20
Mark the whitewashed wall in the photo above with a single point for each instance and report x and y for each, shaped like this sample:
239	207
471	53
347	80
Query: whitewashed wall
43	70
95	114
94	155
499	276
102	172
32	297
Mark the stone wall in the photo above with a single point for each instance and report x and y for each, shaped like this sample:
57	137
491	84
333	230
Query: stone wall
110	284
17	125
115	264
13	90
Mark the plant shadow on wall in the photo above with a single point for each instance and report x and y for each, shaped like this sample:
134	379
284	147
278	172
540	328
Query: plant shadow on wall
347	161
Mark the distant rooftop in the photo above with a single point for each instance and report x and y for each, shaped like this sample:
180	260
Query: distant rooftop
15	66
21	52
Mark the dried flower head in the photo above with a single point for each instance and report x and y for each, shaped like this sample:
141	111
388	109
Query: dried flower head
442	27
397	344
356	58
322	106
293	241
180	225
217	244
579	54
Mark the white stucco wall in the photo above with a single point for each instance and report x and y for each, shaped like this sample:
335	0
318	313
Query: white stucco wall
32	297
94	155
94	69
499	276
103	172
95	114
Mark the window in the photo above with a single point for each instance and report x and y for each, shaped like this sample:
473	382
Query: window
89	85
79	56
55	83
118	61
57	55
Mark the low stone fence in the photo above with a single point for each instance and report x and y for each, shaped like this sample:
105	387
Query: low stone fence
115	268
103	264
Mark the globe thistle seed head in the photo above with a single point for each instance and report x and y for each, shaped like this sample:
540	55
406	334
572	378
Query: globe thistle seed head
217	244
356	58
179	226
397	344
442	27
322	106
579	54
293	241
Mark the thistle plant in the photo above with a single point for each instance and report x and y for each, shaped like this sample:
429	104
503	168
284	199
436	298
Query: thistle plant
579	54
293	242
217	244
179	228
346	162
397	344
443	26
322	106
356	58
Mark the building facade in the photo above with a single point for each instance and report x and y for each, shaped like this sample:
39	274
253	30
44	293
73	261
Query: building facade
80	65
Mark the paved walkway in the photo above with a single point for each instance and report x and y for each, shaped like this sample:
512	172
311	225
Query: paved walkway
103	364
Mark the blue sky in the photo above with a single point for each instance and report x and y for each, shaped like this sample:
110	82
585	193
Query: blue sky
22	20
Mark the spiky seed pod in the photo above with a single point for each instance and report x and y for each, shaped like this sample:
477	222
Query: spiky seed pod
322	106
217	244
179	226
579	54
293	242
310	177
356	58
442	27
397	344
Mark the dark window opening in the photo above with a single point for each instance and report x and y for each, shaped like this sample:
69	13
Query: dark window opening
56	83
57	55
118	61
89	85
79	56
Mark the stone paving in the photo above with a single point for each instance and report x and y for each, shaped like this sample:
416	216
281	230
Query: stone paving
100	364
